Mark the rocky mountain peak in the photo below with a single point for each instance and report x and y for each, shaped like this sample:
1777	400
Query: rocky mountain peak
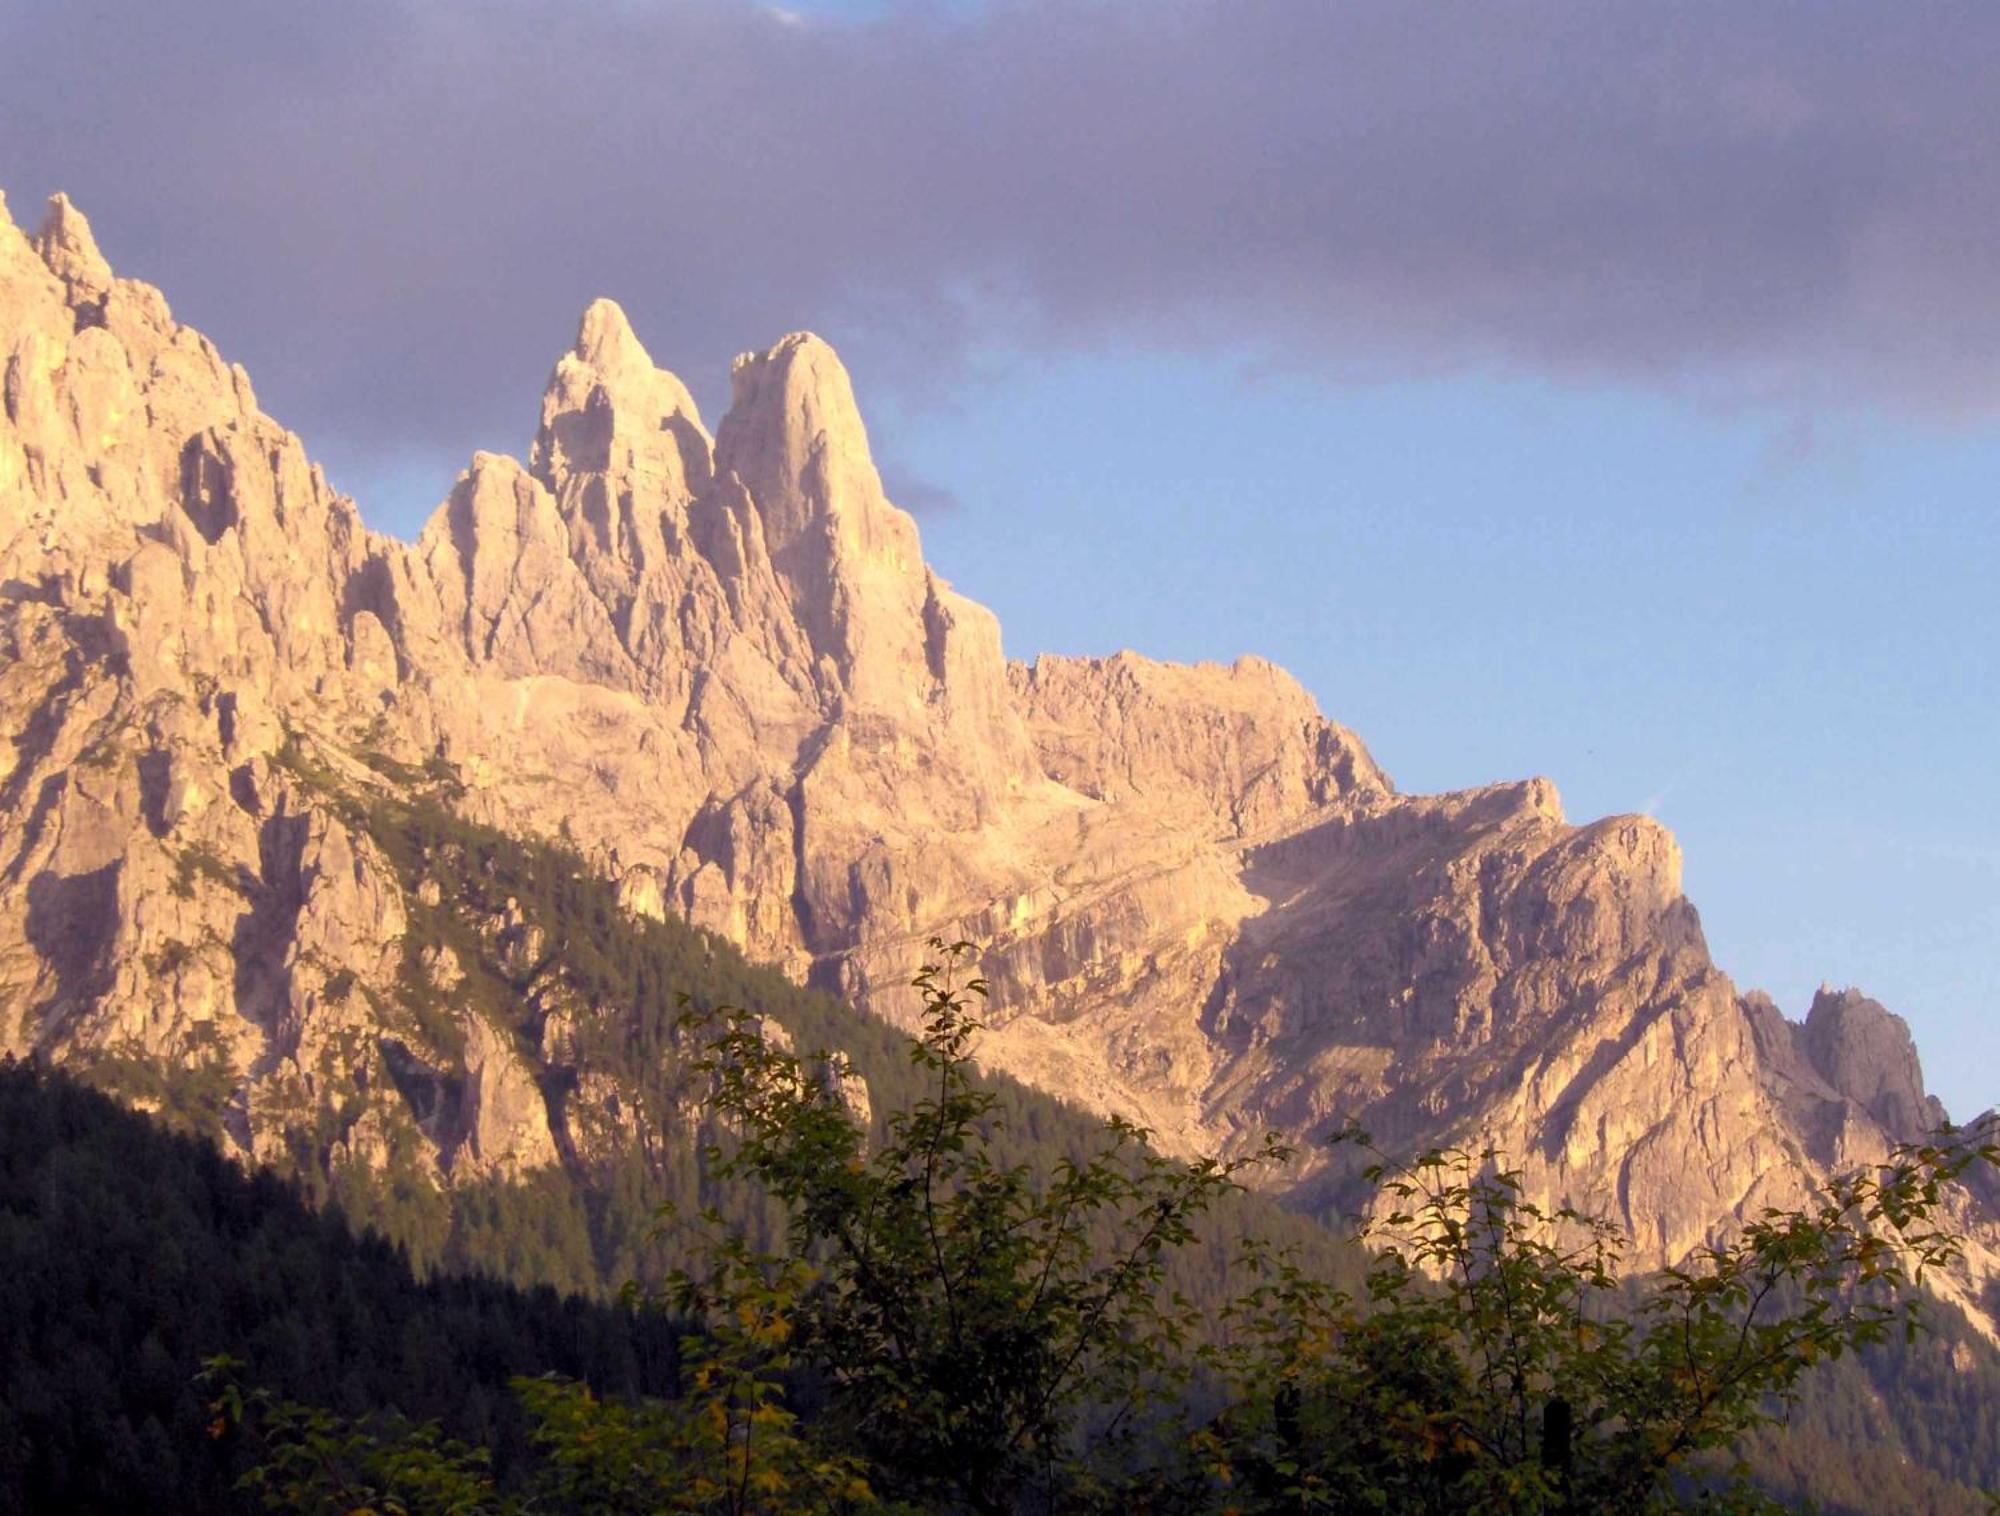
614	359
607	405
1865	1052
70	250
849	560
605	339
794	436
12	240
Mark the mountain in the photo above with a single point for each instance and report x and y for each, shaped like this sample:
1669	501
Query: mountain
716	670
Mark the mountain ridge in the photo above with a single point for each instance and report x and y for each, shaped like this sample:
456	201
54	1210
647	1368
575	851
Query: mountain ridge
719	666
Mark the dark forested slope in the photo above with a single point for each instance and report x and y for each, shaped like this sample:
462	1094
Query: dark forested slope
129	1254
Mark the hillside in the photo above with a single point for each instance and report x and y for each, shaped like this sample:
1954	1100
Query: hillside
133	1254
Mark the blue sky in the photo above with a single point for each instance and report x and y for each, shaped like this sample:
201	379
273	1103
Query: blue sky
1607	392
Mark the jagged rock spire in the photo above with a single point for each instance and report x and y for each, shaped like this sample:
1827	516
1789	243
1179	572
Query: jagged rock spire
1866	1053
607	345
68	248
605	340
850	561
607	405
17	249
794	436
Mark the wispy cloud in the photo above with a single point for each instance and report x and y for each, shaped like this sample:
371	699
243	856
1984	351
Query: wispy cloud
917	495
393	209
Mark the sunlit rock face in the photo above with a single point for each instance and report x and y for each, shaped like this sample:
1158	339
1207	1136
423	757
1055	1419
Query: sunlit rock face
718	665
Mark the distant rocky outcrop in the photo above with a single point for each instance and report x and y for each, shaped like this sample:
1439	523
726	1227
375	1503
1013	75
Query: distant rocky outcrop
719	666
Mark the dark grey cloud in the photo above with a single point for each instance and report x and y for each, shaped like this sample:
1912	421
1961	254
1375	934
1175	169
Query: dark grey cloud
915	493
392	210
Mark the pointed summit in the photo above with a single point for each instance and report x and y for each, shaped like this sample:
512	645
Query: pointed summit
794	436
609	359
606	400
605	339
799	375
850	561
16	248
70	251
1865	1051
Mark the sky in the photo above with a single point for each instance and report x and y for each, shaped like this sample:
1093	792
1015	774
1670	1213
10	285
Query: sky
1605	391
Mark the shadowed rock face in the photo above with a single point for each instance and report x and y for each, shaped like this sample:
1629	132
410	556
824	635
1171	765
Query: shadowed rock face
722	668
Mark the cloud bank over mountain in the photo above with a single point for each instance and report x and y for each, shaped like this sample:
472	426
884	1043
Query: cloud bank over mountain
1787	203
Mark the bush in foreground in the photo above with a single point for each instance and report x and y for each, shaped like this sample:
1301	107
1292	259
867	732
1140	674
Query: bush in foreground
970	1335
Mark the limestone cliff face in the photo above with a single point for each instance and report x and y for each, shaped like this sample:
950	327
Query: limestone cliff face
719	666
